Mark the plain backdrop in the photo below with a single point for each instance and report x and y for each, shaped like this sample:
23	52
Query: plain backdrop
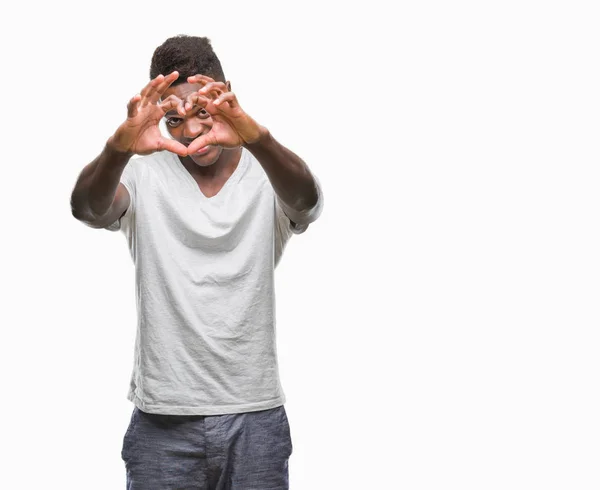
438	326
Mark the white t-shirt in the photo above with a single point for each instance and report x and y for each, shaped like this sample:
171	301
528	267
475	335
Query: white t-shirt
204	270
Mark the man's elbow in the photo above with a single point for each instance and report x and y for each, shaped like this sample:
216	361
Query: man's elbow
78	211
306	211
85	216
308	202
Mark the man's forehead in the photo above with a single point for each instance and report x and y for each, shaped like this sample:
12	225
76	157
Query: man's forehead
181	90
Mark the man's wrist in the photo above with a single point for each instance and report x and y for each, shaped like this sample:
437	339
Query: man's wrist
116	151
262	137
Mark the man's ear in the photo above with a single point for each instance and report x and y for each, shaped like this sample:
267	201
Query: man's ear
228	83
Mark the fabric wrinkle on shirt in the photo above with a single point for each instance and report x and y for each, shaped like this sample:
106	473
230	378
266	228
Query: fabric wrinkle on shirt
204	274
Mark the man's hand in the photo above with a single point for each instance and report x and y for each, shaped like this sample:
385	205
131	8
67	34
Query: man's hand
232	127
140	133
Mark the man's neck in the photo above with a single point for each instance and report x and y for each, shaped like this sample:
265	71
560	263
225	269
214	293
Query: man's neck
220	170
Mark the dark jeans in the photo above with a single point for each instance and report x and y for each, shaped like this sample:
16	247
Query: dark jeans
242	451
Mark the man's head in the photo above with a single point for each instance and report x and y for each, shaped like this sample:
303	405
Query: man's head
189	56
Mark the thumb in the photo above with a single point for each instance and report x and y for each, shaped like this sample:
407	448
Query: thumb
172	146
200	142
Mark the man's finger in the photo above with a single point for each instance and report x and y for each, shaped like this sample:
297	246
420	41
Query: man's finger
172	103
227	97
132	105
201	142
195	99
200	79
149	90
214	89
172	146
163	86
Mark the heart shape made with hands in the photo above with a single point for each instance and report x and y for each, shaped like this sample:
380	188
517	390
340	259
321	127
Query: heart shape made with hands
230	126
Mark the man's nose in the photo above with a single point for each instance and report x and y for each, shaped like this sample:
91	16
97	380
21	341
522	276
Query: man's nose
194	127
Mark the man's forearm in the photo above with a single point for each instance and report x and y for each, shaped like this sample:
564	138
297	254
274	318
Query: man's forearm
97	184
289	175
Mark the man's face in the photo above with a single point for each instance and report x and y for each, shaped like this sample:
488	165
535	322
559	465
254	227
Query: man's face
196	122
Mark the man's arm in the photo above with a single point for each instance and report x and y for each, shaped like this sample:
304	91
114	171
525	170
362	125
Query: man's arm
289	175
98	199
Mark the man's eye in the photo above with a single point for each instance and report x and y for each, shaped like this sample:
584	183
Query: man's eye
203	114
173	122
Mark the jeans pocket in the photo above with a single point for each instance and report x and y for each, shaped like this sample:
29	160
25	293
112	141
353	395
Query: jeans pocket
128	433
288	430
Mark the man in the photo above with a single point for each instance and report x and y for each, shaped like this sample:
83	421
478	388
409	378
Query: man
207	215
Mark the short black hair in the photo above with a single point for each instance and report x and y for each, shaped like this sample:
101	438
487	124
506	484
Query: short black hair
189	55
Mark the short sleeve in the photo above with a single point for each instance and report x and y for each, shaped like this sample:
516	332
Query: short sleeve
290	222
299	220
128	179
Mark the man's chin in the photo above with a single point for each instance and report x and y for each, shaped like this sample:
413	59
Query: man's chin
208	156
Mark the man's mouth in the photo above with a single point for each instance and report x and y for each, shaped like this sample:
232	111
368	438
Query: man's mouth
202	151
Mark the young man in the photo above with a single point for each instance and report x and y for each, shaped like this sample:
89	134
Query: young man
207	215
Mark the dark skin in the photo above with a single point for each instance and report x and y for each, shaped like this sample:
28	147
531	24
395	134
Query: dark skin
209	128
216	162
